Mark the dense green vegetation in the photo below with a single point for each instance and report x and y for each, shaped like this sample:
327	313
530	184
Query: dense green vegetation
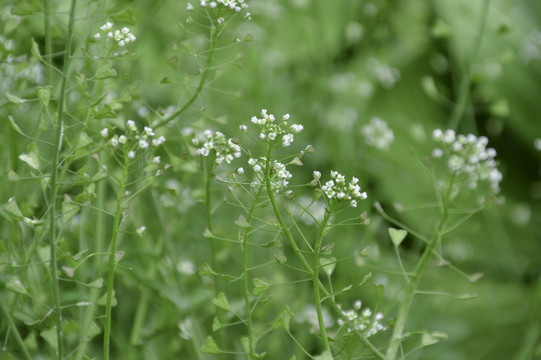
111	145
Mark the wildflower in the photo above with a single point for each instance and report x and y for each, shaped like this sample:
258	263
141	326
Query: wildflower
122	139
240	171
189	7
272	130
468	156
158	141
97	36
316	174
243	128
364	321
217	144
130	124
378	134
141	231
114	141
337	189
156	160
104	132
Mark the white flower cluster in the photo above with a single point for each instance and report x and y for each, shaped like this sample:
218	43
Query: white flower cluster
119	37
273	131
235	5
378	134
217	145
278	172
364	321
133	140
468	155
338	189
385	74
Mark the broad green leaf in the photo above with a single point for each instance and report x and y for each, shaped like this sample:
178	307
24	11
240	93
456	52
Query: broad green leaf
397	236
221	302
105	112
210	347
105	71
260	286
14	284
433	338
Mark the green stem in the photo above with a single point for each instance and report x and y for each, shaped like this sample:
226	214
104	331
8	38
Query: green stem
112	263
315	281
303	260
208	211
202	82
13	329
53	193
251	345
398	332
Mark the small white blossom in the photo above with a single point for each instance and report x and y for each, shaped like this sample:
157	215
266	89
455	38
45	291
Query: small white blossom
243	128
240	171
97	36
130	124
316	174
141	230
104	132
122	139
131	154
156	160
378	134
143	144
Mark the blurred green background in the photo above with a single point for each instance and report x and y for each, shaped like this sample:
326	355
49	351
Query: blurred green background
333	65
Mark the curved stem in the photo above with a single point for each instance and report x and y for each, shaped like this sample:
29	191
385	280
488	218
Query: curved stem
202	82
112	262
53	193
315	280
405	306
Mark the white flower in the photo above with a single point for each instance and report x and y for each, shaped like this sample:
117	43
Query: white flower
122	139
104	132
240	171
143	144
189	7
131	125
114	141
297	128
149	131
272	136
287	140
243	128
316	174
203	151
97	36
141	230
158	141
156	160
285	117
131	154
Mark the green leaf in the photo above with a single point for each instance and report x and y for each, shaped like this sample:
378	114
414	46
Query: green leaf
221	302
260	286
44	94
125	15
14	284
50	337
283	320
133	91
397	236
165	80
13	176
210	347
84	140
44	253
173	62
35	50
433	338
14	99
440	29
105	71
206	270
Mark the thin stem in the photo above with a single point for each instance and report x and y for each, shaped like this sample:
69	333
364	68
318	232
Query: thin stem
53	194
398	332
13	329
251	345
208	211
315	280
305	263
112	262
202	82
